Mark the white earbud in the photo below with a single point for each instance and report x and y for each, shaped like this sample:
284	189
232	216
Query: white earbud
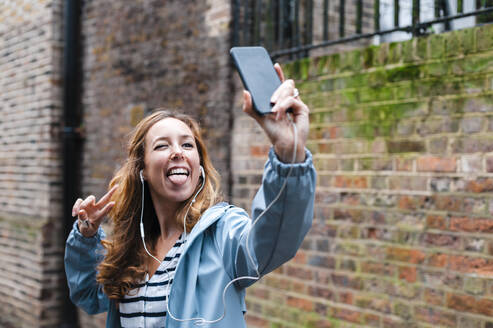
141	225
202	172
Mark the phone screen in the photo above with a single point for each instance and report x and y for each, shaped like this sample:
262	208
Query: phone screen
257	74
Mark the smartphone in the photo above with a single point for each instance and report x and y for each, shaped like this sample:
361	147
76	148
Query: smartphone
257	74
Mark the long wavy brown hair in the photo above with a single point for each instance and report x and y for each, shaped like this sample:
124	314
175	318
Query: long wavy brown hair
124	263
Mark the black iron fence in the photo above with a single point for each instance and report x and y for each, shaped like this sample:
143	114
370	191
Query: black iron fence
293	28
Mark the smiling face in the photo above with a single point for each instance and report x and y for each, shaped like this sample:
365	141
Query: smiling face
172	161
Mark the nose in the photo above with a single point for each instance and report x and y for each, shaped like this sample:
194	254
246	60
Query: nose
177	152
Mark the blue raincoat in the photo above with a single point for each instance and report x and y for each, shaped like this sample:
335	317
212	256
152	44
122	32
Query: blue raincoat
215	252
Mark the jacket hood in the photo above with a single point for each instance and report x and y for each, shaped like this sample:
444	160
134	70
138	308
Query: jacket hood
208	218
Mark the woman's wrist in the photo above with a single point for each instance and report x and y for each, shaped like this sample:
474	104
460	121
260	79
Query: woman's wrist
286	155
85	232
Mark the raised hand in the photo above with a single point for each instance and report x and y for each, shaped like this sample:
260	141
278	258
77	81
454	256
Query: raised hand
90	214
277	126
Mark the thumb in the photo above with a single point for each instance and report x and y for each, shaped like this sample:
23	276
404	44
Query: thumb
248	106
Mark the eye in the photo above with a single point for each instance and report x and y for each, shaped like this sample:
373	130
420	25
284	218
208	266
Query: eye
188	145
160	146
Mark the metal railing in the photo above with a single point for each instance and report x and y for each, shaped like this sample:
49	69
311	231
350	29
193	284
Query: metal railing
286	27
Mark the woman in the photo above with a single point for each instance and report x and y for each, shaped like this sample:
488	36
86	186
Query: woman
189	246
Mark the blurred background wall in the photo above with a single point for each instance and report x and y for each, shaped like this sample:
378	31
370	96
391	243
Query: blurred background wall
31	226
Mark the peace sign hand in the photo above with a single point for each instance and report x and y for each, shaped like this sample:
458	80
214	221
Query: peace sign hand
90	214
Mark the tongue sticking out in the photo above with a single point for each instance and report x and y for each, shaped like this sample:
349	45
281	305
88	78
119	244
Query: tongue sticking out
178	178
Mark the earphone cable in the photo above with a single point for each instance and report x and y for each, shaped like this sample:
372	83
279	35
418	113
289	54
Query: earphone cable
202	321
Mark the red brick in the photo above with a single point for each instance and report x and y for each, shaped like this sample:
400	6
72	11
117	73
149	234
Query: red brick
393	322
375	233
466	303
259	151
384	269
408	273
404	164
463	263
300	303
433	296
259	292
373	303
322	292
405	255
323	323
346	281
408	183
442	240
447	203
351	199
346	298
333	132
347	315
322	309
371	320
435	316
436	164
297	286
254	321
300	257
322	276
480	185
436	222
438	260
411	202
471	224
348	214
484	306
275	281
358	182
375	217
490	247
301	273
325	148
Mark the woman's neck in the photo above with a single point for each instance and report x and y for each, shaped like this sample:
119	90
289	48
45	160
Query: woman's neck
166	215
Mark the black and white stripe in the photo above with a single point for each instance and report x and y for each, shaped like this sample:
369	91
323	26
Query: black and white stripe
145	306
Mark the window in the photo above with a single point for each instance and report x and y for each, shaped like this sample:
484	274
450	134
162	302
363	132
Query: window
429	9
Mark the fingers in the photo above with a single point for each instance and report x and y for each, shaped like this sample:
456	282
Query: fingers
286	89
88	202
75	208
248	106
101	214
247	102
107	197
279	71
82	215
296	105
84	224
90	214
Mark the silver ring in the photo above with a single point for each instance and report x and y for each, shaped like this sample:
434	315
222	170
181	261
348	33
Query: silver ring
296	93
85	223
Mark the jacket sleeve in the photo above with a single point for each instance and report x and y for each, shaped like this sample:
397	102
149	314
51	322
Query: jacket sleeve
277	235
82	255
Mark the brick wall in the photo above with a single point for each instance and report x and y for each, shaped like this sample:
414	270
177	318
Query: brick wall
139	55
402	137
31	244
143	55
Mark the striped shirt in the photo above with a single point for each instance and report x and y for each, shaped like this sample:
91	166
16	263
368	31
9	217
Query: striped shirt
145	305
